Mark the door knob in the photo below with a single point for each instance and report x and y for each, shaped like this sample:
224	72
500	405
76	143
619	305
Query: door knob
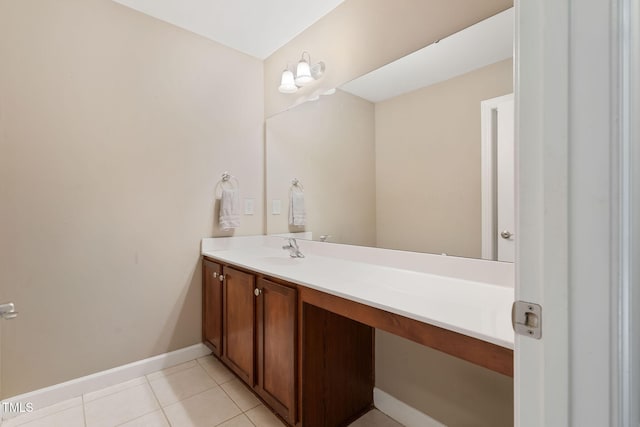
8	311
257	292
506	234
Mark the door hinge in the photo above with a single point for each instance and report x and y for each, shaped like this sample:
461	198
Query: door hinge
526	318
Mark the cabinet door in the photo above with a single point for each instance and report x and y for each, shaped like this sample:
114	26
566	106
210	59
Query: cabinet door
276	350
212	306
238	322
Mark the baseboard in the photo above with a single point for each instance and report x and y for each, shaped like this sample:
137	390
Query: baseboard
401	412
57	393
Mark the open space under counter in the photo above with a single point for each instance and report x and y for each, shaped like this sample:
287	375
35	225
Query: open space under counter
343	293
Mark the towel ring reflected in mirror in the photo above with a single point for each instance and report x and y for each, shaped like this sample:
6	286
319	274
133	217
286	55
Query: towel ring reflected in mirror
295	183
231	182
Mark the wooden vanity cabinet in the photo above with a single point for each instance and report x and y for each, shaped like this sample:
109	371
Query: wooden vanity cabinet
212	306
254	324
276	319
238	322
250	323
309	354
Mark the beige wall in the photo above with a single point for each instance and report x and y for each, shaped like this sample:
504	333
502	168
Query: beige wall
114	129
450	390
329	146
432	136
362	35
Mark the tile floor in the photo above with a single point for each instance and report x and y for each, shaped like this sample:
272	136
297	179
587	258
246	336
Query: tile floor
199	393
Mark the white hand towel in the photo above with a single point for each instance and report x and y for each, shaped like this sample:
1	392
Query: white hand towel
229	214
297	212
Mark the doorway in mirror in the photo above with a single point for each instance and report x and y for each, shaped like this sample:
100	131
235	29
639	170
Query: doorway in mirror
498	179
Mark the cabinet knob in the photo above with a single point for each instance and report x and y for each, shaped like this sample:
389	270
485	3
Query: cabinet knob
215	274
257	292
221	278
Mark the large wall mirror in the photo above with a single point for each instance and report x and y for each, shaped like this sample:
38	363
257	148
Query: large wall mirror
393	158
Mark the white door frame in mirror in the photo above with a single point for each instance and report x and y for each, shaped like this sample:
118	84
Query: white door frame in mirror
489	176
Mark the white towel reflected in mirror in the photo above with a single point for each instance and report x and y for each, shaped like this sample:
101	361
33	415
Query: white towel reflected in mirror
229	209
297	212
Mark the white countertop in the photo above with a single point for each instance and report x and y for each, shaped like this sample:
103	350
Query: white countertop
475	309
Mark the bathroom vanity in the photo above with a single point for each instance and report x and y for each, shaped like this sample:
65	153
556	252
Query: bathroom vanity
300	331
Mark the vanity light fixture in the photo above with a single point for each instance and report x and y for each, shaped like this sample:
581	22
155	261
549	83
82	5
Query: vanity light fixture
305	73
287	82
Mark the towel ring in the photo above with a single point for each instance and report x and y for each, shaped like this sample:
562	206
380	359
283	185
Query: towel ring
295	182
227	178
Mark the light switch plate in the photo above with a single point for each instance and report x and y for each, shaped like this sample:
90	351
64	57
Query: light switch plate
249	206
276	207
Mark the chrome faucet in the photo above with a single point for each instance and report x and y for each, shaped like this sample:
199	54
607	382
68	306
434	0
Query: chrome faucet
292	247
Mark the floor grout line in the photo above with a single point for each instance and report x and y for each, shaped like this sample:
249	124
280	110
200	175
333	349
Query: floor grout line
173	373
113	392
158	402
165	417
135	418
194	395
211	376
239	415
233	377
231	398
205	371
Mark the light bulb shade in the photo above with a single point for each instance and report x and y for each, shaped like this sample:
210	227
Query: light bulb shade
287	83
303	73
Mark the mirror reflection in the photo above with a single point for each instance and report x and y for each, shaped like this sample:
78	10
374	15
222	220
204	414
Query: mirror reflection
394	158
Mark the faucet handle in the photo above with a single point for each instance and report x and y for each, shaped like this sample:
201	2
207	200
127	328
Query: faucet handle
293	248
291	243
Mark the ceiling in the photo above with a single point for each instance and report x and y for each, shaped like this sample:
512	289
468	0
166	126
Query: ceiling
479	45
255	27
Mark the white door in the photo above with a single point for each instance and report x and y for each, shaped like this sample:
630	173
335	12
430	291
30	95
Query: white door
7	312
498	178
573	206
1	409
541	378
505	180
